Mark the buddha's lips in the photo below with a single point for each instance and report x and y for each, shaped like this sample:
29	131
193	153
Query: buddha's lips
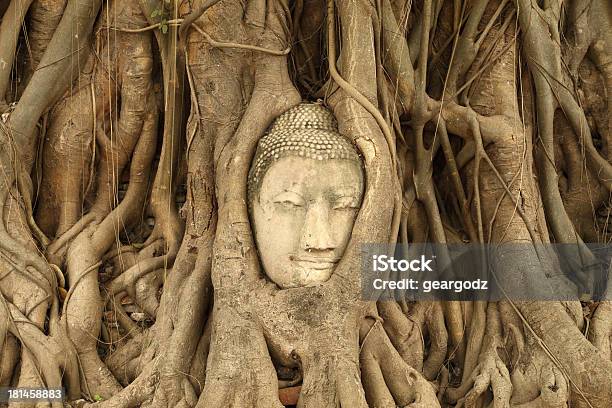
315	262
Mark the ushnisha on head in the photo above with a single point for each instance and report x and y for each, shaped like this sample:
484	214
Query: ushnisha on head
305	188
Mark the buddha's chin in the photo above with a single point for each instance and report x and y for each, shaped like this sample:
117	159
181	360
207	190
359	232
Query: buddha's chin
306	277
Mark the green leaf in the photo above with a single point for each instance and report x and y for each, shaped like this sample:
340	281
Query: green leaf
98	398
155	13
164	28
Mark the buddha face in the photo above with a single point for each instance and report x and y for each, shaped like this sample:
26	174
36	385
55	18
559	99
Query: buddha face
303	216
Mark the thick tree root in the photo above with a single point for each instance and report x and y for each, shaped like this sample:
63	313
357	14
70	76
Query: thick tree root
388	381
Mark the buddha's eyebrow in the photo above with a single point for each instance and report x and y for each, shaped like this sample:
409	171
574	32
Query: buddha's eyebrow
277	189
287	190
290	190
345	191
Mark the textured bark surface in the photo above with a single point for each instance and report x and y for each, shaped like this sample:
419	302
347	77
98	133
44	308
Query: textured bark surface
129	273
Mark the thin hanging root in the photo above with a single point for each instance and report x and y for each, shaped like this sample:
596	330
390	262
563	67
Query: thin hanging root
483	154
222	44
476	181
195	15
456	180
172	22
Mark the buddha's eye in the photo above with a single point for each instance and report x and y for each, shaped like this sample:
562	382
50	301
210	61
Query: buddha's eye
289	200
289	204
345	203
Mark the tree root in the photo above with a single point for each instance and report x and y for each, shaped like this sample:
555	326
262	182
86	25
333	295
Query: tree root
491	370
600	333
388	381
83	312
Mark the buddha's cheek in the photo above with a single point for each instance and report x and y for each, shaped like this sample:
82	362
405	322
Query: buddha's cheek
278	237
341	226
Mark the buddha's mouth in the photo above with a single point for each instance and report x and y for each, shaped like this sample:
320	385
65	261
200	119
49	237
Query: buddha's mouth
319	263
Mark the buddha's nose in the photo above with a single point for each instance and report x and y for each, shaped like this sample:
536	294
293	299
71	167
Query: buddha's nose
316	232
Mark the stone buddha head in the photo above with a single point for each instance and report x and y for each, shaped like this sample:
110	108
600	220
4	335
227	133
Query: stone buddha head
305	189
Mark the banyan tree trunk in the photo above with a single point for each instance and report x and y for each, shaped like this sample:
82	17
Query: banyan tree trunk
129	273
